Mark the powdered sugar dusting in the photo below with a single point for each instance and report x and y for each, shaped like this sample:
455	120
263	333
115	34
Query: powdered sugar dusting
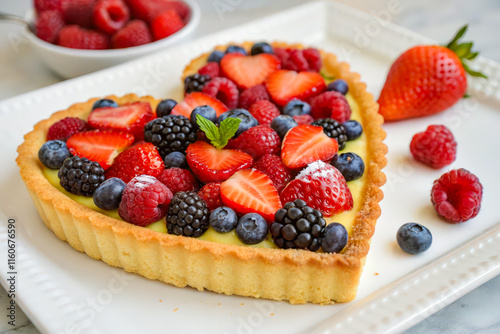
318	169
142	181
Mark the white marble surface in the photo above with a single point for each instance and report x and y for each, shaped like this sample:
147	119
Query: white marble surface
476	312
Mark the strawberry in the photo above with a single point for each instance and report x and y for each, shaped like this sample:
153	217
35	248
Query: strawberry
251	190
99	145
322	187
165	24
129	118
426	79
264	112
110	15
285	85
134	33
197	99
257	141
140	159
75	37
248	71
304	144
210	164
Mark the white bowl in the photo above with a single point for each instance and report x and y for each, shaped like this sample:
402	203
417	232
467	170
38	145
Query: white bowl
70	63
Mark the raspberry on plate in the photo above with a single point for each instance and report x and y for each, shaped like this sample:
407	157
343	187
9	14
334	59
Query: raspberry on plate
331	105
165	24
210	193
75	37
272	166
145	200
48	24
223	90
80	12
322	187
257	141
251	95
178	179
134	33
66	127
264	112
457	195
212	69
436	147
110	15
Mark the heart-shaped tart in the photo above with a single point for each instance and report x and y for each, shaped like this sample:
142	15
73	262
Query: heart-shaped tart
287	215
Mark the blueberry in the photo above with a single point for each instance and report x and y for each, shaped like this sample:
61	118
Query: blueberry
353	129
235	48
251	229
259	48
247	120
282	124
338	85
53	153
109	194
164	108
350	165
296	108
223	219
414	238
104	103
216	56
175	159
206	111
334	238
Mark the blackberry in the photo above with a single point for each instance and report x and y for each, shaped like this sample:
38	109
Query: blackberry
195	82
188	215
170	134
80	176
333	129
297	225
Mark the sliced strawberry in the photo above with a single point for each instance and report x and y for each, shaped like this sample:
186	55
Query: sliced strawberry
250	190
248	71
99	145
284	85
304	144
197	99
212	165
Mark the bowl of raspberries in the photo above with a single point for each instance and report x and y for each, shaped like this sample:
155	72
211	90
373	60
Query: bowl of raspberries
76	37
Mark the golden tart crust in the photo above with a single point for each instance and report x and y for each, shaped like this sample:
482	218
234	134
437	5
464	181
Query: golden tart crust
294	275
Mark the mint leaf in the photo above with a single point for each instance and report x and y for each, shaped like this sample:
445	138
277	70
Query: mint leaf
218	136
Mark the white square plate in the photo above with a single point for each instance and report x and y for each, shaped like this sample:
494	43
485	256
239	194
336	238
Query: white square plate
64	291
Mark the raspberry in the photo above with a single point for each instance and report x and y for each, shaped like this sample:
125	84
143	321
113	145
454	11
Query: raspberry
43	5
257	141
322	187
299	60
134	33
331	105
296	61
264	112
66	127
272	166
165	24
147	10
436	147
110	15
80	12
145	200
253	94
74	37
457	195
282	54
210	193
212	69
178	179
48	25
313	58
223	90
303	119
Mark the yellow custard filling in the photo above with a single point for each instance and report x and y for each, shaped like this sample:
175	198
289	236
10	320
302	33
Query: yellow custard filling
346	218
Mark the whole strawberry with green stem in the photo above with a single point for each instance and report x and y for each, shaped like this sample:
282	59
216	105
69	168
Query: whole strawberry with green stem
427	79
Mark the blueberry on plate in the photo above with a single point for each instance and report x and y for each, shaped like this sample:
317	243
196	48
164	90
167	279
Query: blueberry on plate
53	153
252	228
223	219
334	238
282	124
109	194
259	48
338	85
414	238
104	103
247	120
349	164
296	108
236	49
164	108
175	159
353	129
206	111
215	56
